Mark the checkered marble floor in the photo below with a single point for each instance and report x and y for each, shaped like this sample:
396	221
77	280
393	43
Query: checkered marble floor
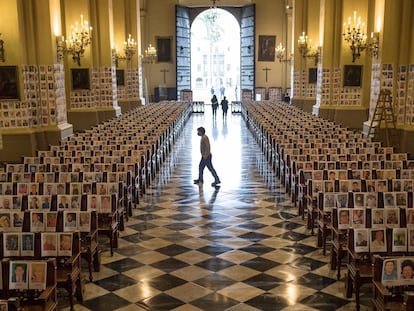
240	247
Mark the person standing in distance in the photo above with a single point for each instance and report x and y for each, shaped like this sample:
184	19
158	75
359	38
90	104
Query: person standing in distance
224	106
205	159
214	105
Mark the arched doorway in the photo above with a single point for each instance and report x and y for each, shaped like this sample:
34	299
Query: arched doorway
215	55
245	16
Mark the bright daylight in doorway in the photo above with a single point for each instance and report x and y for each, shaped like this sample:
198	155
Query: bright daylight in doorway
215	56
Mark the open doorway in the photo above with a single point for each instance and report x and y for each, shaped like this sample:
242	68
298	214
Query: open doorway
215	56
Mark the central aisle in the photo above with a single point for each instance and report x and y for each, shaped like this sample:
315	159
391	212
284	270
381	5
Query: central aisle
241	247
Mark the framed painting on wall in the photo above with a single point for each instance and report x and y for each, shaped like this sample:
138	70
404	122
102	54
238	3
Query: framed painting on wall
266	49
352	75
164	49
8	82
80	79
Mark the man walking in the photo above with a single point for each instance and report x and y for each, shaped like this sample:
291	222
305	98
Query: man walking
205	159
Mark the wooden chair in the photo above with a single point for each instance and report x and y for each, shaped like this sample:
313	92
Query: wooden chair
89	246
69	272
108	224
29	300
339	245
324	221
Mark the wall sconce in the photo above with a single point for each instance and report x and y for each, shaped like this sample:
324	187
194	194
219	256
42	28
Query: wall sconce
306	50
150	55
130	48
314	52
354	34
2	58
79	39
280	54
303	44
374	44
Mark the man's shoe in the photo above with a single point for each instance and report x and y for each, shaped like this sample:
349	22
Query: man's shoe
196	181
216	184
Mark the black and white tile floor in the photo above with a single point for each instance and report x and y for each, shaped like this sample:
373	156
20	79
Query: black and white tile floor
240	247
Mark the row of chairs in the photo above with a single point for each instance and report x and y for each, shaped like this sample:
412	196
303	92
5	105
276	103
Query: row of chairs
118	158
303	150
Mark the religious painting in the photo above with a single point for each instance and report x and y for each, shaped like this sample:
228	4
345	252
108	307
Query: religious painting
267	46
80	79
120	77
352	75
8	82
164	49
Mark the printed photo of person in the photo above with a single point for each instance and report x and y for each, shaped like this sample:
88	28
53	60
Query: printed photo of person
18	275
359	199
399	239
46	201
38	275
378	243
93	203
407	269
65	244
17	202
33	202
377	217
358	218
17	220
49	244
392	217
371	200
342	200
70	223
51	219
410	217
36	222
401	198
389	271
106	204
329	201
11	242
5	220
6	202
85	221
389	199
63	202
27	244
343	218
361	240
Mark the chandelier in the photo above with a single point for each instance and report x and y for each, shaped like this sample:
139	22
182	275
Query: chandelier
150	54
306	49
79	39
280	53
354	34
130	48
212	16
